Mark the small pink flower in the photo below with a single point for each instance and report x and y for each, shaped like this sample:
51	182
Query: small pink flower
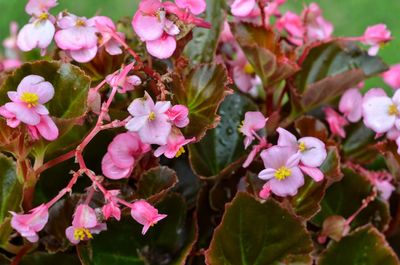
243	8
336	122
174	146
184	16
111	208
254	151
376	36
317	27
351	104
282	170
10	43
84	225
381	113
45	128
145	214
27	101
150	120
178	114
253	121
28	225
123	81
77	36
10	117
392	76
37	7
9	64
196	7
293	24
106	28
243	74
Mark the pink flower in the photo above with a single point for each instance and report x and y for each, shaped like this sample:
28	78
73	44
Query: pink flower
122	153
184	16
77	36
37	7
351	105
282	170
106	28
174	146
150	120
376	36
84	225
28	225
111	208
9	64
10	43
336	122
123	81
10	117
253	121
293	24
178	114
244	74
392	76
243	8
145	214
381	113
27	102
196	7
254	151
317	27
46	128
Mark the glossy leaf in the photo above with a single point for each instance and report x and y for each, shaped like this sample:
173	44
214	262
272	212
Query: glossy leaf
258	233
203	46
345	197
331	68
365	246
202	91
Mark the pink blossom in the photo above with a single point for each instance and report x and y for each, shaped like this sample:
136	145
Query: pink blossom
253	121
123	80
111	207
254	151
9	64
10	43
226	33
94	101
381	113
184	16
293	24
336	122
122	153
28	225
196	7
244	74
145	214
282	170
392	76
27	102
45	128
84	224
317	27
243	8
10	117
174	146
77	36
106	28
351	105
150	120
265	192
376	36
37	7
178	114
312	150
272	9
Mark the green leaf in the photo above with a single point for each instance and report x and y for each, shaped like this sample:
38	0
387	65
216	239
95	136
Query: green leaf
10	195
264	53
358	143
42	258
345	197
155	183
258	233
202	91
222	146
364	246
331	68
203	46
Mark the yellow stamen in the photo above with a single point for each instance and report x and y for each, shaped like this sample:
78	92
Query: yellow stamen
180	152
82	234
393	110
31	99
302	147
43	16
80	23
152	116
248	69
282	173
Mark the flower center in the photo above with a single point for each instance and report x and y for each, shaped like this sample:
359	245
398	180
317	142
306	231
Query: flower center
30	98
248	69
302	147
152	116
393	110
80	23
43	16
82	234
180	152
282	173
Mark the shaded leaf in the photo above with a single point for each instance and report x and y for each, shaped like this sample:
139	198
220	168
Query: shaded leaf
358	143
202	91
42	258
364	246
222	146
332	166
310	126
258	233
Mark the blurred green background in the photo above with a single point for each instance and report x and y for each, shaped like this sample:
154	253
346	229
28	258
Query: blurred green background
350	17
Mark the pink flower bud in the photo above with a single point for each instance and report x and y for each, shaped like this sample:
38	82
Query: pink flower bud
145	214
111	209
178	114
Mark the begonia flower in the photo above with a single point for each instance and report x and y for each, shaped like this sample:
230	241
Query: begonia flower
145	214
253	121
174	146
45	128
336	122
196	7
317	27
106	28
178	114
123	80
376	36
293	25
392	76
350	105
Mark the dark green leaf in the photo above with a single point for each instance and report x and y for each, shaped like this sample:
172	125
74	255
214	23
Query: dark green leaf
42	258
222	146
357	145
202	91
365	246
258	233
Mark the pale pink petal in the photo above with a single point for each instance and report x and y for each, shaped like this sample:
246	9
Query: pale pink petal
122	148
195	6
376	114
44	90
315	153
84	55
69	233
313	172
36	35
267	174
289	186
28	83
162	106
392	76
136	123
111	171
374	92
47	128
148	28
242	8
84	216
24	114
156	131
141	106
76	38
162	48
351	104
286	138
276	156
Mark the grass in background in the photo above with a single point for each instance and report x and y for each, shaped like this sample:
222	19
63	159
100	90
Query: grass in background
350	17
